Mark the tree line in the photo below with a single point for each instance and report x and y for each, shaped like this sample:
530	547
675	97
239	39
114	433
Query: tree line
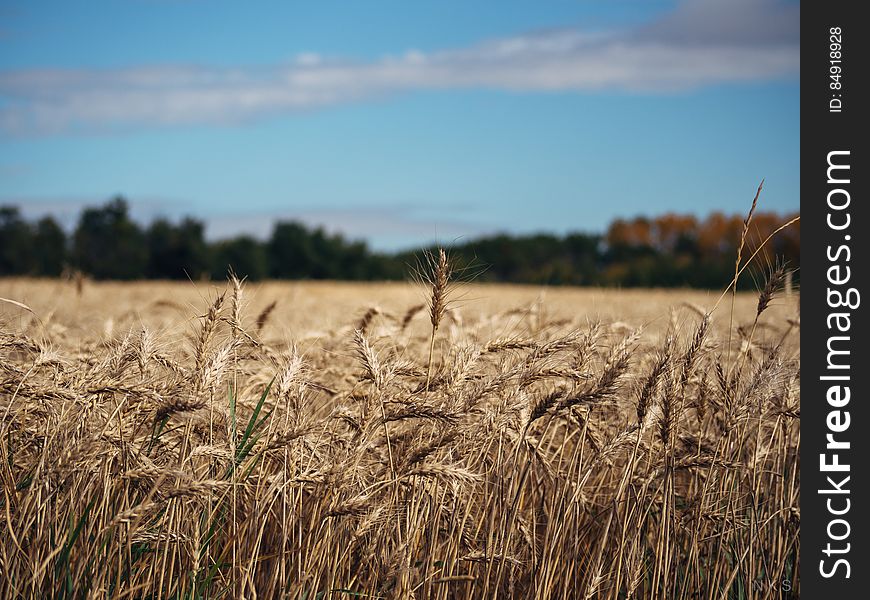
665	251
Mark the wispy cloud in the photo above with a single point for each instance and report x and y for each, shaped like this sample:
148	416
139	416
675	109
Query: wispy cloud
700	43
386	226
67	209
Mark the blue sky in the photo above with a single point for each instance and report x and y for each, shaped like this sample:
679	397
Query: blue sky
400	122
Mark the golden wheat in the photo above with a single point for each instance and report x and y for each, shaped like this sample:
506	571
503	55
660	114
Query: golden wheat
586	446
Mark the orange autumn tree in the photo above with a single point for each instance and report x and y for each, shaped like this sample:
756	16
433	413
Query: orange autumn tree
677	249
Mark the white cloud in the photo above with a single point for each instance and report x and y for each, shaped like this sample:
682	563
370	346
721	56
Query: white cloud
390	227
702	42
386	226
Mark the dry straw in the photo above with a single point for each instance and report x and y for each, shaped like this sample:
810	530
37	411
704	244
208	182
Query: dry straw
534	455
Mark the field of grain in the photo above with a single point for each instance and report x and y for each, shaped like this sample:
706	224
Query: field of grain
329	440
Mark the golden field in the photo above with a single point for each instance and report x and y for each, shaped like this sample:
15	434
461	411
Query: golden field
185	440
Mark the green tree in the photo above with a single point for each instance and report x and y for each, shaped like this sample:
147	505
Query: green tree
177	252
295	252
291	254
244	255
355	261
16	243
107	244
49	247
585	257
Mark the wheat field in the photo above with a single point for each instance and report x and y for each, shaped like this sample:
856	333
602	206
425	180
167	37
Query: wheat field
330	440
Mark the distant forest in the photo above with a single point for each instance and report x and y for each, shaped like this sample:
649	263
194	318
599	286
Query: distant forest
670	250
